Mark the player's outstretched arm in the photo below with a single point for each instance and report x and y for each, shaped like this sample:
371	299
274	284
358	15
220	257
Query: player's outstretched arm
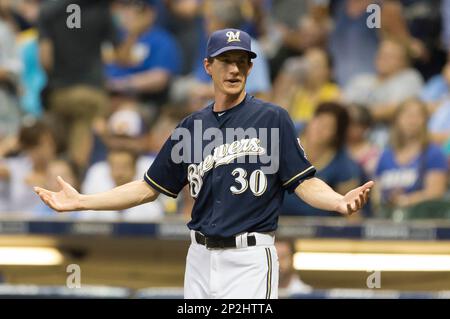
318	194
118	198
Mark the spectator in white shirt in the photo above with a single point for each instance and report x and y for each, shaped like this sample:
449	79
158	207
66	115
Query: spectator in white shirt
393	83
29	168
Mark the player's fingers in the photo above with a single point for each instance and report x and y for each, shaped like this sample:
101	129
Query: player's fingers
349	209
53	206
61	182
366	195
39	192
46	200
369	185
362	199
352	208
357	204
42	191
366	186
51	203
46	197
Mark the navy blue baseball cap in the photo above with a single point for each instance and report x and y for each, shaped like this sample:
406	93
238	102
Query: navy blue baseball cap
229	39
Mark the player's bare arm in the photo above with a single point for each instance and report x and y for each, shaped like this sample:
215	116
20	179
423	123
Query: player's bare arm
119	198
317	193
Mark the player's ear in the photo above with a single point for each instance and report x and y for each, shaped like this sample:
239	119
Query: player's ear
207	65
250	64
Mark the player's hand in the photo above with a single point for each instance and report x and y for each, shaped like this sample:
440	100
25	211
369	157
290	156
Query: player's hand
67	199
355	199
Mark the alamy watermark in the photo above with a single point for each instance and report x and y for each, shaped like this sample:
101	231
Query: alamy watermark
73	20
244	146
374	19
74	278
374	279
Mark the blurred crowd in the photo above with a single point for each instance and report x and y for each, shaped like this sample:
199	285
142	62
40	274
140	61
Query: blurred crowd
93	97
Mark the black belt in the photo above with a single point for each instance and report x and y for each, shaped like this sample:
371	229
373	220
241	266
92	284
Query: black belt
221	242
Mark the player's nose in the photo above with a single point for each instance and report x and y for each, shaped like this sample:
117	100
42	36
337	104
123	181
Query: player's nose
233	67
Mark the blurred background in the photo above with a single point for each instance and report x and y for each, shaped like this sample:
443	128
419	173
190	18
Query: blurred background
90	90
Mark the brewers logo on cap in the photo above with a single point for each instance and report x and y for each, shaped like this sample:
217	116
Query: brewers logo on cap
233	36
224	40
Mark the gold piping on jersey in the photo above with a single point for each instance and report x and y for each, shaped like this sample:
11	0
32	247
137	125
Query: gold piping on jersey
159	186
301	173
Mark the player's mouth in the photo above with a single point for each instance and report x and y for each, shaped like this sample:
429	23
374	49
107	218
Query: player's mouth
233	81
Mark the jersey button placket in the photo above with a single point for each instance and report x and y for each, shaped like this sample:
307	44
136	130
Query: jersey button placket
216	186
216	194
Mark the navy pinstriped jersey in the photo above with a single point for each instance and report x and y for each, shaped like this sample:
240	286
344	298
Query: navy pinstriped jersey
237	163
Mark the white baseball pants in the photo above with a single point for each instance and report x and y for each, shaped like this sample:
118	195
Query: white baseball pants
232	273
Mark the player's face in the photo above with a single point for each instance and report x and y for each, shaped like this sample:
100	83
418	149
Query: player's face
229	71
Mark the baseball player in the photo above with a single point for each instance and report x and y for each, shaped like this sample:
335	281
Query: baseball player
236	180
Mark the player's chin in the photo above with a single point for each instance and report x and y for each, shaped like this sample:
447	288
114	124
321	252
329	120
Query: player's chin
233	90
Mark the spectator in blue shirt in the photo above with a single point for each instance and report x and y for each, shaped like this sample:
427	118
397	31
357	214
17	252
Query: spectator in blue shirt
145	65
182	18
439	123
411	170
323	140
437	88
436	95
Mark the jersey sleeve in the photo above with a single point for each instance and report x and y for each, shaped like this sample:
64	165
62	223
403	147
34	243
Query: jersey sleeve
166	174
294	166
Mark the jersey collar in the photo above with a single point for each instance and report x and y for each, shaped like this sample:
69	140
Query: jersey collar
232	109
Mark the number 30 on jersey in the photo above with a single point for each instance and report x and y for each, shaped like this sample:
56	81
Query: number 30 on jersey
257	182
